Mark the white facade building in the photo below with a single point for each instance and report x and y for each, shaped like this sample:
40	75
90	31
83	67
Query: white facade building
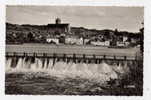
97	43
74	40
120	44
125	38
86	41
107	43
49	40
127	43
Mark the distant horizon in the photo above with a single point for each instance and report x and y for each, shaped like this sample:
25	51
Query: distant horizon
90	17
77	27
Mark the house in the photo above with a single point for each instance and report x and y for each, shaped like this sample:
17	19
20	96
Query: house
120	44
52	40
125	38
86	41
74	40
127	43
107	43
97	43
79	41
70	40
134	41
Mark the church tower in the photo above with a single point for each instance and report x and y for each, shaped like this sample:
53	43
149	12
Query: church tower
58	21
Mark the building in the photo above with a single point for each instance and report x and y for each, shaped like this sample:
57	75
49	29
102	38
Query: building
52	40
125	38
107	43
97	43
86	41
120	44
74	40
58	28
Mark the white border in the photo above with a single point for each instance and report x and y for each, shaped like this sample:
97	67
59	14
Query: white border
78	2
147	44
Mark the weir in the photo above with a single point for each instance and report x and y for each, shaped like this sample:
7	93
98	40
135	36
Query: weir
74	57
102	67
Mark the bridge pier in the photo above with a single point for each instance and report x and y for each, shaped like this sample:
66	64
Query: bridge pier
32	59
54	59
68	60
74	58
64	57
14	62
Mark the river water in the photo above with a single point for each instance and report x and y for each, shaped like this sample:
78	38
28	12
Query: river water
40	76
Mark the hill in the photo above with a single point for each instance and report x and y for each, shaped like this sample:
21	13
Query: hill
19	33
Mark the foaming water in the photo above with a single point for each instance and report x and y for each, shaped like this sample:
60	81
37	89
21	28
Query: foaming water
98	72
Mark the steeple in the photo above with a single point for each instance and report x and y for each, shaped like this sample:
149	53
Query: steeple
58	21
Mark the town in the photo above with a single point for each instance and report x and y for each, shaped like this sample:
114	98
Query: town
62	33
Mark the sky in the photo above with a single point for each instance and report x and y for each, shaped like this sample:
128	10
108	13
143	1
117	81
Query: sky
91	17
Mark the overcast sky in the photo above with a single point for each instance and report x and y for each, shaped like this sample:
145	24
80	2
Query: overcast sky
92	17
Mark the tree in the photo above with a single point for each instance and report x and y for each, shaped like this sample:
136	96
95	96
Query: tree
142	39
30	37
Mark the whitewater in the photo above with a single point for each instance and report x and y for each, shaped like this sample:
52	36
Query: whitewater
98	72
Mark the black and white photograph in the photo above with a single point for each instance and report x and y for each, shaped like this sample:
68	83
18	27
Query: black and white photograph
74	50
